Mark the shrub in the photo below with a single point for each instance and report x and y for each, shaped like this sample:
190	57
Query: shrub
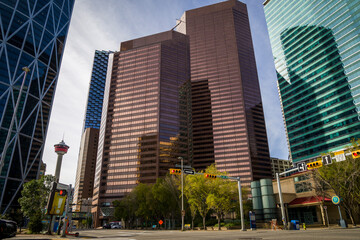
35	224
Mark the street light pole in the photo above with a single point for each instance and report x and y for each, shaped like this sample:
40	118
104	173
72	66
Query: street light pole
241	206
281	201
2	160
182	193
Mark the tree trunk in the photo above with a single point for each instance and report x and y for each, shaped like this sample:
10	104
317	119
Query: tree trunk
192	223
351	216
204	222
219	218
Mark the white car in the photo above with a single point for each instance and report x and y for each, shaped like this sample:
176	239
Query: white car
115	225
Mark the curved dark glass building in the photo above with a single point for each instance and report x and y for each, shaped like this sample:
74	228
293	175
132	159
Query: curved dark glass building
32	34
316	52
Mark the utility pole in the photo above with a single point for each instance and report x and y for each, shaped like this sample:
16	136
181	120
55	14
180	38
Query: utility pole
2	160
182	193
241	206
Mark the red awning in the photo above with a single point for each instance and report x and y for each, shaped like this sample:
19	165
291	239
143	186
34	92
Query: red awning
308	200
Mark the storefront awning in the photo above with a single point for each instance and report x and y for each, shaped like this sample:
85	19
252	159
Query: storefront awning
313	200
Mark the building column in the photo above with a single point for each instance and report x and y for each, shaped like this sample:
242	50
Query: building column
322	214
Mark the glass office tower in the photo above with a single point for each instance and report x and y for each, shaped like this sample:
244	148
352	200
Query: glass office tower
32	34
96	90
227	114
144	127
85	172
316	52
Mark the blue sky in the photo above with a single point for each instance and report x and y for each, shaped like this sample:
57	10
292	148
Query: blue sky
102	25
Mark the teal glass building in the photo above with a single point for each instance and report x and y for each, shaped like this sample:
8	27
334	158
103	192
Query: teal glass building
316	48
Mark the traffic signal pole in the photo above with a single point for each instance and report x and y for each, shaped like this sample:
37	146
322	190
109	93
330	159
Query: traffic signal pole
283	217
241	206
182	193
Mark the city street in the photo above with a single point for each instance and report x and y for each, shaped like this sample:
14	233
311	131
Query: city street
110	234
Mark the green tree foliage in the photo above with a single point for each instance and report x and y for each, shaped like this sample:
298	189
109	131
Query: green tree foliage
33	200
343	178
162	200
222	193
149	202
196	190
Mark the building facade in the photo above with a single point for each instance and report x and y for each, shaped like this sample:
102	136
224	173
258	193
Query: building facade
144	127
279	166
316	47
227	115
84	181
96	90
85	172
32	34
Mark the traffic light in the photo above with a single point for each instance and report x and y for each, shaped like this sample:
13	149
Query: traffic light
175	171
208	175
314	165
62	192
356	154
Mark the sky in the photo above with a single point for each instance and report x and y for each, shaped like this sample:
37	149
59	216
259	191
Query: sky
103	25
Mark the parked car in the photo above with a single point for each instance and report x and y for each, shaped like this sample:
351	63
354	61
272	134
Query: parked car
115	225
106	226
7	228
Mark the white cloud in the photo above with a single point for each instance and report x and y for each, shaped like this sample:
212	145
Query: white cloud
102	25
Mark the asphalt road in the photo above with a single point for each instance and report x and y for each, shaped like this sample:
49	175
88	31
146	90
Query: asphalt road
110	234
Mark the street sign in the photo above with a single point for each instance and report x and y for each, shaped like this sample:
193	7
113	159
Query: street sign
326	159
325	207
184	166
183	213
340	156
188	171
161	222
335	200
301	166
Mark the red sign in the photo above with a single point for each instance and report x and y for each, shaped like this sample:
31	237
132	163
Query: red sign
161	222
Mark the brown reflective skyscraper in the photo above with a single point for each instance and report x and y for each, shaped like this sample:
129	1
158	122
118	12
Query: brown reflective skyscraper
228	120
144	125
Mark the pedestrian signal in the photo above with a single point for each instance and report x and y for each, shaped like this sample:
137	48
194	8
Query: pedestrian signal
175	171
356	154
207	175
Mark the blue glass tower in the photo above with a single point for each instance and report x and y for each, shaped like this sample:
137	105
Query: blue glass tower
84	181
96	90
32	34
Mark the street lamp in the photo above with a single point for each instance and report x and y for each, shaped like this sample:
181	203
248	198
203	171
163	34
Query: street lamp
2	160
182	193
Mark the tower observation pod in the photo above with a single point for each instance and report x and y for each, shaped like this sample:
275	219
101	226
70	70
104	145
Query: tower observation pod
61	149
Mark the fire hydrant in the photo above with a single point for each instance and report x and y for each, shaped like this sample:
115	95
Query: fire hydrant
304	226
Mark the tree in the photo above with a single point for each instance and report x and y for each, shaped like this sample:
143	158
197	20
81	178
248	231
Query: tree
343	178
125	209
33	201
222	192
196	190
144	202
166	198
